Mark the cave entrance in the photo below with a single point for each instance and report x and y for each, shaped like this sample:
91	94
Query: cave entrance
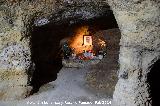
47	43
153	80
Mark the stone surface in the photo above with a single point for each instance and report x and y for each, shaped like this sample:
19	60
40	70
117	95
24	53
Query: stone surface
79	63
139	23
102	77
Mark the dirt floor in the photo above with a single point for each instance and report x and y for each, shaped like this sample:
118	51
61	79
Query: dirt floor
70	86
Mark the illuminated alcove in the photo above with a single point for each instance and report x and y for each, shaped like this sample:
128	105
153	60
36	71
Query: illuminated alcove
47	54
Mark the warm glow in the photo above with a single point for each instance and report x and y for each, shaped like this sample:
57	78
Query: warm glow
101	43
78	40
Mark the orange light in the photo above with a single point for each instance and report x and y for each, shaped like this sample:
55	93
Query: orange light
83	41
78	43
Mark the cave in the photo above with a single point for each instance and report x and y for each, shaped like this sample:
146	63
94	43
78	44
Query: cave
153	78
122	45
46	47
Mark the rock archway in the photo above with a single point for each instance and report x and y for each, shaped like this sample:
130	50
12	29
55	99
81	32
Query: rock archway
138	21
46	50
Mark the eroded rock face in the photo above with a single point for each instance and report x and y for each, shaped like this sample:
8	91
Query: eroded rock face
102	77
15	53
139	24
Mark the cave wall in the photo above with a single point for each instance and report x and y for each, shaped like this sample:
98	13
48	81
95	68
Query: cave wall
46	53
15	53
138	20
102	77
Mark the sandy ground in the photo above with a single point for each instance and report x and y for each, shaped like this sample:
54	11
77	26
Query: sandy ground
69	89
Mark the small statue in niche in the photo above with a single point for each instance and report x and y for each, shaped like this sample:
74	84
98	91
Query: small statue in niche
66	51
73	53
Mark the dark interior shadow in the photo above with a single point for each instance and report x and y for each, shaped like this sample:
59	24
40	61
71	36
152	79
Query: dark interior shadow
46	53
154	82
46	50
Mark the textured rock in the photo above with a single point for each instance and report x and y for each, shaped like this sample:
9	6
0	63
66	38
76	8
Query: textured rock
138	20
79	63
139	23
102	77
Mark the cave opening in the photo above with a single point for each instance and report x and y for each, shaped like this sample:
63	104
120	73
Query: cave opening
153	80
47	51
